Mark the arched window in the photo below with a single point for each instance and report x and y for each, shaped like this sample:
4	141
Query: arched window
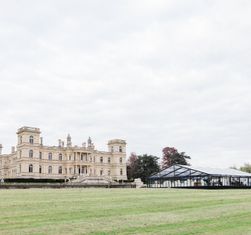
40	169
30	168
101	159
50	156
31	154
112	149
120	160
121	171
49	169
60	170
120	149
60	157
31	140
109	160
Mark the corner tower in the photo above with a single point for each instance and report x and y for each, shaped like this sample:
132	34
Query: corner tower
117	148
28	136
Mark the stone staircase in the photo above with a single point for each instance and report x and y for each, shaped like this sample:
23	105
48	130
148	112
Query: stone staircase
93	180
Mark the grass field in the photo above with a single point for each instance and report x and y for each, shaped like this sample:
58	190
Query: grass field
125	211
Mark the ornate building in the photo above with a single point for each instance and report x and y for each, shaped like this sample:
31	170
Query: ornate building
31	159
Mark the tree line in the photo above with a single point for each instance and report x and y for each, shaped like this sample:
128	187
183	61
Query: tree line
143	166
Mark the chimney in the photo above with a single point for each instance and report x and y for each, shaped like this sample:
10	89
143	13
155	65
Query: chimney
13	149
69	143
1	148
41	140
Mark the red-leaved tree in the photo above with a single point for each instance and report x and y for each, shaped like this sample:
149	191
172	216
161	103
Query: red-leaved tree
172	156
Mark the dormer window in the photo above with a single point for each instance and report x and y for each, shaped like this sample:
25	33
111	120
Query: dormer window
31	140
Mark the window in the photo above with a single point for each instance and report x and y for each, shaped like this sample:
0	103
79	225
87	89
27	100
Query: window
70	170
101	172
31	154
120	149
82	156
40	169
112	149
40	155
31	140
60	170
109	160
30	168
60	157
109	172
121	171
65	170
50	170
20	139
20	153
50	156
120	160
101	159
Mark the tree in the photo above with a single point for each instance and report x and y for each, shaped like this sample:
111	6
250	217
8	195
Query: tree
246	168
172	156
141	166
146	166
132	165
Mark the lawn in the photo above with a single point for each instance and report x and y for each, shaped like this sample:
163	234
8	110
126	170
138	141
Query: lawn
125	211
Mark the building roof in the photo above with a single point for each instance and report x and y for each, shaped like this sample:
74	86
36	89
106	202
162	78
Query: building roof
180	171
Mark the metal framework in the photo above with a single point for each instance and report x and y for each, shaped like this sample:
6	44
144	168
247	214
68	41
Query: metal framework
181	176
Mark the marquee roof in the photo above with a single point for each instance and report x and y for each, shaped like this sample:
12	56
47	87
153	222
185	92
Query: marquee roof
181	171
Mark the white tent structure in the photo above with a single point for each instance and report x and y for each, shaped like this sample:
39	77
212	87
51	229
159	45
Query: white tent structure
182	176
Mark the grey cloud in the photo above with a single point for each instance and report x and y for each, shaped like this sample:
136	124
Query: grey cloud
157	73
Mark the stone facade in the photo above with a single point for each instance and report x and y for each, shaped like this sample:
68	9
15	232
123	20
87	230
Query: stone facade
31	159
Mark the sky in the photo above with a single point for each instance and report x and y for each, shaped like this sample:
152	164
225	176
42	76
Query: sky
156	73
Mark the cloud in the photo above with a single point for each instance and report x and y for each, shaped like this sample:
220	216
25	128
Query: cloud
157	73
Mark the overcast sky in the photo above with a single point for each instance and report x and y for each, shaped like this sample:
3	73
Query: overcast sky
155	73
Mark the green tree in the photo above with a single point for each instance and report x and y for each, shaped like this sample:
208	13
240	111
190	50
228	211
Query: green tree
246	168
141	166
172	156
146	166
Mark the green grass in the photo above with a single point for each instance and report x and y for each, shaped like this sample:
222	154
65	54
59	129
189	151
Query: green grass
125	211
